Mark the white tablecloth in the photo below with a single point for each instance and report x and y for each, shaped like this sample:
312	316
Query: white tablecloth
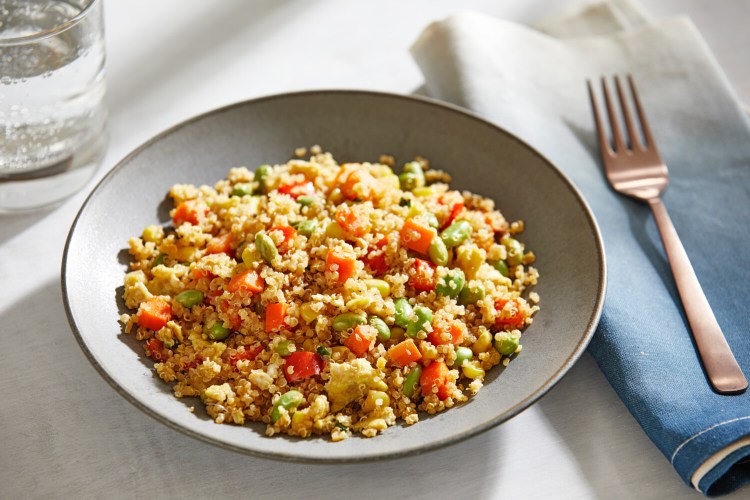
66	433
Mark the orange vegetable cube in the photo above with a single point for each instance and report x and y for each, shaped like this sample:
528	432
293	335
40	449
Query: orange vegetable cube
353	220
190	211
433	380
404	353
451	332
362	340
154	313
343	264
248	281
275	314
220	244
416	236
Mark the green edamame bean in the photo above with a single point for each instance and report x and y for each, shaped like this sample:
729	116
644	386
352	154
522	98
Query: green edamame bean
189	298
471	293
266	247
307	227
403	312
346	321
412	381
506	343
500	265
456	233
283	348
217	331
306	201
462	354
260	177
432	220
451	283
412	176
288	400
413	167
424	316
384	332
323	351
438	252
159	260
242	189
515	251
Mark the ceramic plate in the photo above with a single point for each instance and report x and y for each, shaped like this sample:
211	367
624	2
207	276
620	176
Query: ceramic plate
353	126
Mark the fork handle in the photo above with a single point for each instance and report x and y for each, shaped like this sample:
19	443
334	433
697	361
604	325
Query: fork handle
722	369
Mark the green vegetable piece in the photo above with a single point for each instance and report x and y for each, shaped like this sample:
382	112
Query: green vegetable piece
283	348
515	251
242	189
500	265
451	283
403	312
456	233
506	343
323	351
159	260
307	227
413	167
266	247
384	332
462	354
404	202
306	201
217	331
438	252
432	220
189	298
288	400
424	316
471	293
412	381
412	177
347	321
260	177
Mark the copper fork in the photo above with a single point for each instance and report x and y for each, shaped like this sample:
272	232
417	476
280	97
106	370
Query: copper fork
637	170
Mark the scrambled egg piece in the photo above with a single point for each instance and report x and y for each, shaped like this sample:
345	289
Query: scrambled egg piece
135	289
218	394
350	381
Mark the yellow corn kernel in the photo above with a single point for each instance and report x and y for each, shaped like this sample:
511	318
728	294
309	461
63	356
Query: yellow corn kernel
428	350
336	196
186	254
472	370
333	230
307	312
249	256
380	285
415	209
309	170
470	259
374	400
423	192
482	343
153	233
298	418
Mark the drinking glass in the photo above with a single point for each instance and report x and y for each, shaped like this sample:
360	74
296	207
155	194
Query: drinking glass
52	118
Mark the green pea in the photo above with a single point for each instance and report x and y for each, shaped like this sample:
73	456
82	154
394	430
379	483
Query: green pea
306	201
266	247
412	381
413	167
283	348
159	260
189	298
242	189
307	227
515	251
347	321
500	265
403	312
456	233
451	283
424	316
438	252
471	293
408	181
432	220
217	331
384	333
506	343
323	351
260	177
462	354
288	400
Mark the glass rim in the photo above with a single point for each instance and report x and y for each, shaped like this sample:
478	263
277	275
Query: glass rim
60	28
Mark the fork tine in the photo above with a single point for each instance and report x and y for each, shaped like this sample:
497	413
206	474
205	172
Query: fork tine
635	141
604	144
613	122
641	115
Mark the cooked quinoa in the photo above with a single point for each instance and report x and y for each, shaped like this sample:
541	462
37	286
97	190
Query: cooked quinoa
320	297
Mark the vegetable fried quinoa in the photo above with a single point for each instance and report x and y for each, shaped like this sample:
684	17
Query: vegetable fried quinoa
325	298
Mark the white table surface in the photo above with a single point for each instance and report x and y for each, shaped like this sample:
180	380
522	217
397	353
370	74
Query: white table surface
65	433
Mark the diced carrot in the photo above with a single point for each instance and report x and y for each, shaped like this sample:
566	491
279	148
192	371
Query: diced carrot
300	365
433	380
154	313
375	259
289	234
201	273
190	211
246	280
353	220
447	333
220	244
248	353
424	277
275	314
513	317
361	340
356	183
297	189
155	349
416	236
404	353
337	261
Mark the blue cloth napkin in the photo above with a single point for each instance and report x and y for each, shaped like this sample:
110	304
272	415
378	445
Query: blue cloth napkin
533	83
